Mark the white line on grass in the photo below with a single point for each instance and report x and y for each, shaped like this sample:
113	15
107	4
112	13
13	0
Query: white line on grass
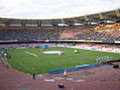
29	53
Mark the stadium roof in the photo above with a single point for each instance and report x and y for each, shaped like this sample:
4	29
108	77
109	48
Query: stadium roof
52	9
109	15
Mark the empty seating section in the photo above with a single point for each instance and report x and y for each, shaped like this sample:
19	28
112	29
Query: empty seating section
109	32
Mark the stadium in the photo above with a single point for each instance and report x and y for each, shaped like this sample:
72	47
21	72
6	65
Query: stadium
74	53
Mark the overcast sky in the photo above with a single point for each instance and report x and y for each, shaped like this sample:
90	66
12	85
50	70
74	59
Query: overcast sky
46	9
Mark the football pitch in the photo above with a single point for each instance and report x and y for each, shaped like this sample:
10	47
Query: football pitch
34	61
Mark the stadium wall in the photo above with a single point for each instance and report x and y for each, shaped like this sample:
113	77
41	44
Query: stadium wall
74	68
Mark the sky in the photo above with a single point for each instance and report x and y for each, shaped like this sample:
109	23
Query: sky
52	9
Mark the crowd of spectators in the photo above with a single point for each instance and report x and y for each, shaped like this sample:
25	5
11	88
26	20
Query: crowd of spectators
101	32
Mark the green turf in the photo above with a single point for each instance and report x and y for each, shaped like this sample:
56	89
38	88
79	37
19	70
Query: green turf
43	63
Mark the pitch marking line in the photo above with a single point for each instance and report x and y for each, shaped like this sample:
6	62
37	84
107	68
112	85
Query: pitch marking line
32	54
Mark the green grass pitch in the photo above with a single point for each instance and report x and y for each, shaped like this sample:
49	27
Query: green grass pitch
39	63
